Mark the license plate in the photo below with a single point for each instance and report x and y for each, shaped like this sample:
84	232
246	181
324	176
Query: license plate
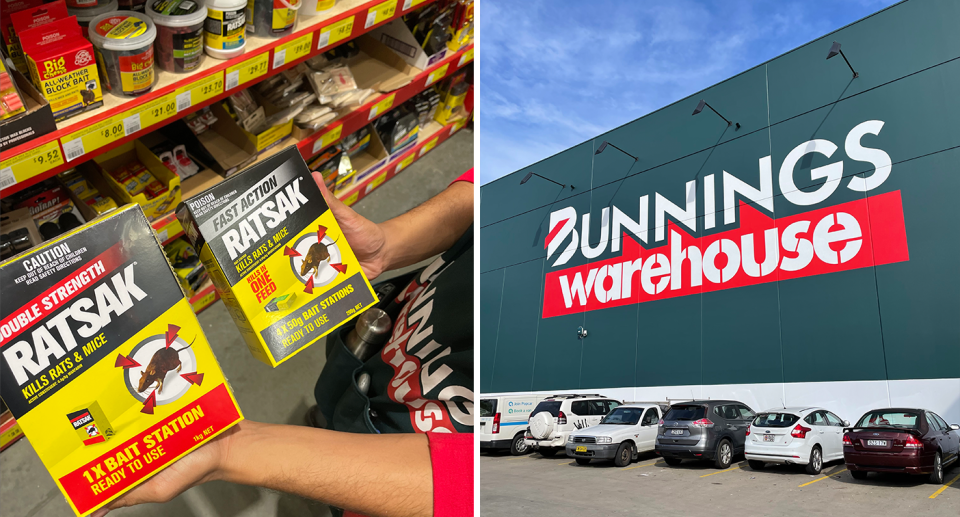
769	437
878	443
581	448
676	431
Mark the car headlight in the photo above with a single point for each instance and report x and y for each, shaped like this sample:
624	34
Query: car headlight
604	439
570	439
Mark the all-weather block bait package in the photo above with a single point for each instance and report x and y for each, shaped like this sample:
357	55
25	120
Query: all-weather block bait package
103	362
277	256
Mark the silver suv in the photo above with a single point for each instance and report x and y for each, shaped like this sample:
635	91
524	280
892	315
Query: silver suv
704	430
552	421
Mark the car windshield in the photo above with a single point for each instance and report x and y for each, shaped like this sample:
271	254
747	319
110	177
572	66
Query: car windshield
893	419
775	420
488	407
623	416
550	406
685	413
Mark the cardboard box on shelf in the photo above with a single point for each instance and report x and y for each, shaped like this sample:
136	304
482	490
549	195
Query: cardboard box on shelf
396	36
10	42
38	119
109	405
267	234
153	206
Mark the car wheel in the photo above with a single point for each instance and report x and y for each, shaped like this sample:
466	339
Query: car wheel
724	454
547	452
583	461
936	477
756	464
624	455
858	474
815	465
519	447
672	461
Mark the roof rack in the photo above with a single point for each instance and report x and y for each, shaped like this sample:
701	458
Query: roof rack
574	396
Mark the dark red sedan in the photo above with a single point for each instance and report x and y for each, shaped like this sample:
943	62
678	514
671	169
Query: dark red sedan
910	441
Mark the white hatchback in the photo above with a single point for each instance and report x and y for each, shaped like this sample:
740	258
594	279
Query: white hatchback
808	436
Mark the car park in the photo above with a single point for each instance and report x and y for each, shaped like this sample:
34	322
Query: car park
704	430
503	422
809	436
554	418
621	435
902	440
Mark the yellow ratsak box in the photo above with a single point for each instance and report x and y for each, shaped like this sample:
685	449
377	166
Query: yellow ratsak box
103	362
276	256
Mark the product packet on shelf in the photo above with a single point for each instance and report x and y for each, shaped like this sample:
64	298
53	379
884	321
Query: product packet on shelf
277	256
103	362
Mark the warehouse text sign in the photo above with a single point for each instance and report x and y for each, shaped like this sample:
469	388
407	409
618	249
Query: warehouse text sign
856	234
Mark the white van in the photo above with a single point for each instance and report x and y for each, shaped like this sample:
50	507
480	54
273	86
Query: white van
503	421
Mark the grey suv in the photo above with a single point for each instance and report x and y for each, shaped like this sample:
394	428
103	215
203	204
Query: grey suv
704	430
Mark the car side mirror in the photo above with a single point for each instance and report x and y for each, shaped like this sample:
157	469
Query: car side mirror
955	427
846	423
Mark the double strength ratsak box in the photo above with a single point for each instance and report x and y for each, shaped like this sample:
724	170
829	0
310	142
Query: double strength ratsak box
103	362
277	256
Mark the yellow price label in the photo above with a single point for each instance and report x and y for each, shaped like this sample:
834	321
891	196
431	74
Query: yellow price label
196	93
437	74
98	135
427	147
247	70
377	182
328	138
381	107
155	111
352	198
457	126
335	32
204	301
292	51
410	4
29	164
406	162
380	13
172	228
466	57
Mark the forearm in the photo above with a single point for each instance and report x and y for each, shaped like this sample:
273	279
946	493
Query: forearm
375	475
430	228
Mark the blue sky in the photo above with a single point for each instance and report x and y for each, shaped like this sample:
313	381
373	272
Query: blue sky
555	73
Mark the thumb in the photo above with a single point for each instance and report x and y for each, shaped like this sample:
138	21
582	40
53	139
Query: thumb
340	210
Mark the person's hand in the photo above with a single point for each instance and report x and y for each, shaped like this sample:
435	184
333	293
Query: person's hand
198	467
366	238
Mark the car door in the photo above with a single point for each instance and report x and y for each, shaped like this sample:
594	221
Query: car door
834	436
949	440
818	422
647	434
579	416
598	410
953	434
729	417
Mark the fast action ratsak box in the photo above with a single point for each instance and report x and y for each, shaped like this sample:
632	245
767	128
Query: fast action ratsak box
276	256
102	360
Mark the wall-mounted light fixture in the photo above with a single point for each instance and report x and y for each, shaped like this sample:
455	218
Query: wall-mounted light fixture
531	174
604	144
703	104
834	50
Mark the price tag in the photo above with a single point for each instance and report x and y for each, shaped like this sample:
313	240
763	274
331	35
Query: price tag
352	198
410	4
466	57
247	71
381	107
376	182
162	235
29	164
93	137
204	301
335	32
429	146
457	126
437	74
289	52
328	138
196	93
157	110
405	162
131	124
380	13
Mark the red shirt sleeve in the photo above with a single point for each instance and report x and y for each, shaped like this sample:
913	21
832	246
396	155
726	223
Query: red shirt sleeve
466	176
452	458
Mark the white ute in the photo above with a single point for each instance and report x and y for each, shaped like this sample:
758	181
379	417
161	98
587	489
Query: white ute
623	434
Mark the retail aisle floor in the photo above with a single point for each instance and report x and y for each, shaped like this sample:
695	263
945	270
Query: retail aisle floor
277	396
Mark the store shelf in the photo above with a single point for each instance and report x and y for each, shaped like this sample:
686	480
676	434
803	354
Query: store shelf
9	433
204	297
123	119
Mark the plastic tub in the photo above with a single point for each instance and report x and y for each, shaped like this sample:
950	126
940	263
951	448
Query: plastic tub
85	16
272	18
223	34
315	7
124	44
179	44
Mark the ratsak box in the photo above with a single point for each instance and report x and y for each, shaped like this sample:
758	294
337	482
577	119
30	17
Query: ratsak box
276	256
104	364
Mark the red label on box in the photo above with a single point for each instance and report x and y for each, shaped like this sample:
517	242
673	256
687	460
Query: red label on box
150	451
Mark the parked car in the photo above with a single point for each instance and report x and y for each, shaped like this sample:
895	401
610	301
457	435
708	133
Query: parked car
911	441
621	435
808	436
704	430
503	421
552	421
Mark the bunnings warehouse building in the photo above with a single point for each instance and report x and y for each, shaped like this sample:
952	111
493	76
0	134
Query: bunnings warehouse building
810	256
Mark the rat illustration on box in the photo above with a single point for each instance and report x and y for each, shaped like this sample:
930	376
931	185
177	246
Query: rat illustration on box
163	360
